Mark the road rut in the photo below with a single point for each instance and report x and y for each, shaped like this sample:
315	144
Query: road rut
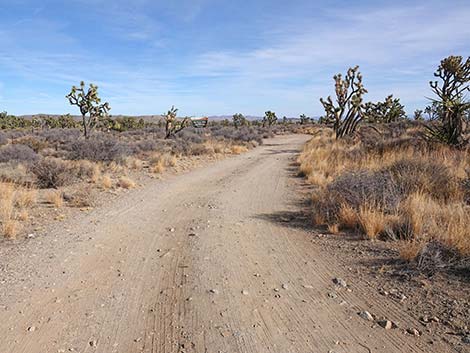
209	261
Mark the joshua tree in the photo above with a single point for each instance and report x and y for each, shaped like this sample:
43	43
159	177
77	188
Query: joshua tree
304	119
418	115
346	112
239	120
450	110
89	103
270	118
388	111
172	124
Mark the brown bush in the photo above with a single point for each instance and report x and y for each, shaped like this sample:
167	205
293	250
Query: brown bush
51	173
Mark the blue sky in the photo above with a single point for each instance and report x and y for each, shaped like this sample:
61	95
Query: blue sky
211	57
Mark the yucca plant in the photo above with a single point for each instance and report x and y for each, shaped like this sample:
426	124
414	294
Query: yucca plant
346	111
89	103
450	110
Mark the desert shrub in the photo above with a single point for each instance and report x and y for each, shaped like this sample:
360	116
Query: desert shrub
190	135
198	150
146	145
98	149
16	173
32	142
51	173
395	189
17	153
60	136
427	176
3	139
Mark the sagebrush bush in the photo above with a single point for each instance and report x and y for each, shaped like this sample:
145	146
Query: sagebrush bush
51	173
101	149
36	144
3	139
17	153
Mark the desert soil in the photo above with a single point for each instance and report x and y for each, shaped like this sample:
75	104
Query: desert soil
208	261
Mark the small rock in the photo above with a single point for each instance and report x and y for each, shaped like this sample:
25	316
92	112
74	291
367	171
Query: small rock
31	235
284	286
340	282
466	339
171	230
192	234
32	328
413	332
333	295
214	291
93	343
308	286
386	324
366	315
276	289
257	275
245	292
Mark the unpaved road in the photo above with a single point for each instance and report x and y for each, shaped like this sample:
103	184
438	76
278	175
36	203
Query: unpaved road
201	262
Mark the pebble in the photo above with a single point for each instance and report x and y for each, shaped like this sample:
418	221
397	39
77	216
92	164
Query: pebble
340	282
245	292
93	343
214	291
386	324
366	315
172	230
32	328
413	331
284	286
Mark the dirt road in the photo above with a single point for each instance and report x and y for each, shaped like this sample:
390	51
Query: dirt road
209	261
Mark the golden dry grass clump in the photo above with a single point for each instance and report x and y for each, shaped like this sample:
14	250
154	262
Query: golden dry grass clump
399	188
14	204
126	183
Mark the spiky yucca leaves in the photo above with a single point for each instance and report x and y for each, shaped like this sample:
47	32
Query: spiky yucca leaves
270	118
89	103
239	120
172	124
451	108
346	113
388	111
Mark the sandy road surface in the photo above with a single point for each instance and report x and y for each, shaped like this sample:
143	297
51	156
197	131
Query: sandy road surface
201	262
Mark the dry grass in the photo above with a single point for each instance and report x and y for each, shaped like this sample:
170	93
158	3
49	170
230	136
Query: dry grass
126	183
10	228
134	163
25	198
348	217
55	198
238	149
95	173
398	188
371	221
106	182
333	228
410	250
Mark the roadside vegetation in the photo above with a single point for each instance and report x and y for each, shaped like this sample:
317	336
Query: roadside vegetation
49	164
387	177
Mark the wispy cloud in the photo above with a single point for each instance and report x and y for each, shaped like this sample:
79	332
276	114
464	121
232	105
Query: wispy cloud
147	55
